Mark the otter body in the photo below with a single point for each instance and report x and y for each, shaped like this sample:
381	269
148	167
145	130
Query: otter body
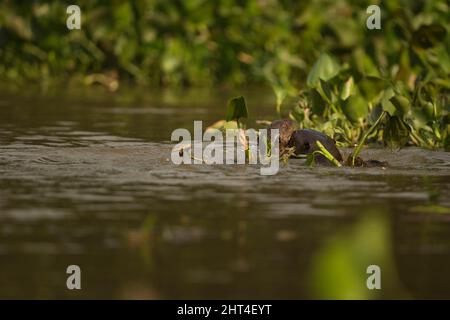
305	142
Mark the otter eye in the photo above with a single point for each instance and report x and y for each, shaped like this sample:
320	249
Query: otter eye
306	145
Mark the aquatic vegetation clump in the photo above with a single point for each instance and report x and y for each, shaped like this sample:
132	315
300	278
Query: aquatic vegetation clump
342	74
355	109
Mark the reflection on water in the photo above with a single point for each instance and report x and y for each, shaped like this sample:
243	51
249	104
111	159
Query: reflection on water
87	180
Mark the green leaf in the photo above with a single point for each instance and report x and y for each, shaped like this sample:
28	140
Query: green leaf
386	103
371	87
335	271
363	63
236	109
401	104
355	108
324	68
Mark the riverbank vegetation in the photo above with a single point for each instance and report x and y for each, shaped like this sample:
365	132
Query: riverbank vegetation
327	69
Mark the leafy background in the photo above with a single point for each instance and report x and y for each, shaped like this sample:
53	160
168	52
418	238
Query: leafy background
340	75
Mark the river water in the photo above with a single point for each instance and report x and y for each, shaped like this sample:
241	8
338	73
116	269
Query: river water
86	179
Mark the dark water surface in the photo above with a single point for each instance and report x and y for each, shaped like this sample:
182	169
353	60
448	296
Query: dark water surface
86	179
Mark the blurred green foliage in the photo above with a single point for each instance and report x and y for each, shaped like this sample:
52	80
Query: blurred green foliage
197	42
346	74
339	269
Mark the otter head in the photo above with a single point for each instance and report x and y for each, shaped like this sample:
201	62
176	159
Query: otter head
286	127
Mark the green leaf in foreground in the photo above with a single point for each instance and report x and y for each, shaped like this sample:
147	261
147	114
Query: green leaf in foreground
323	151
236	109
338	267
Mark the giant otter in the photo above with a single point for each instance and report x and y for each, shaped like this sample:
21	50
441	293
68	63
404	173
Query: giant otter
304	142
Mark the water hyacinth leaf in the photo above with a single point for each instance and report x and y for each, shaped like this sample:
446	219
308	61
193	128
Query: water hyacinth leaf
396	132
386	103
401	104
441	57
324	68
355	108
348	31
371	87
364	64
236	109
428	36
402	89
